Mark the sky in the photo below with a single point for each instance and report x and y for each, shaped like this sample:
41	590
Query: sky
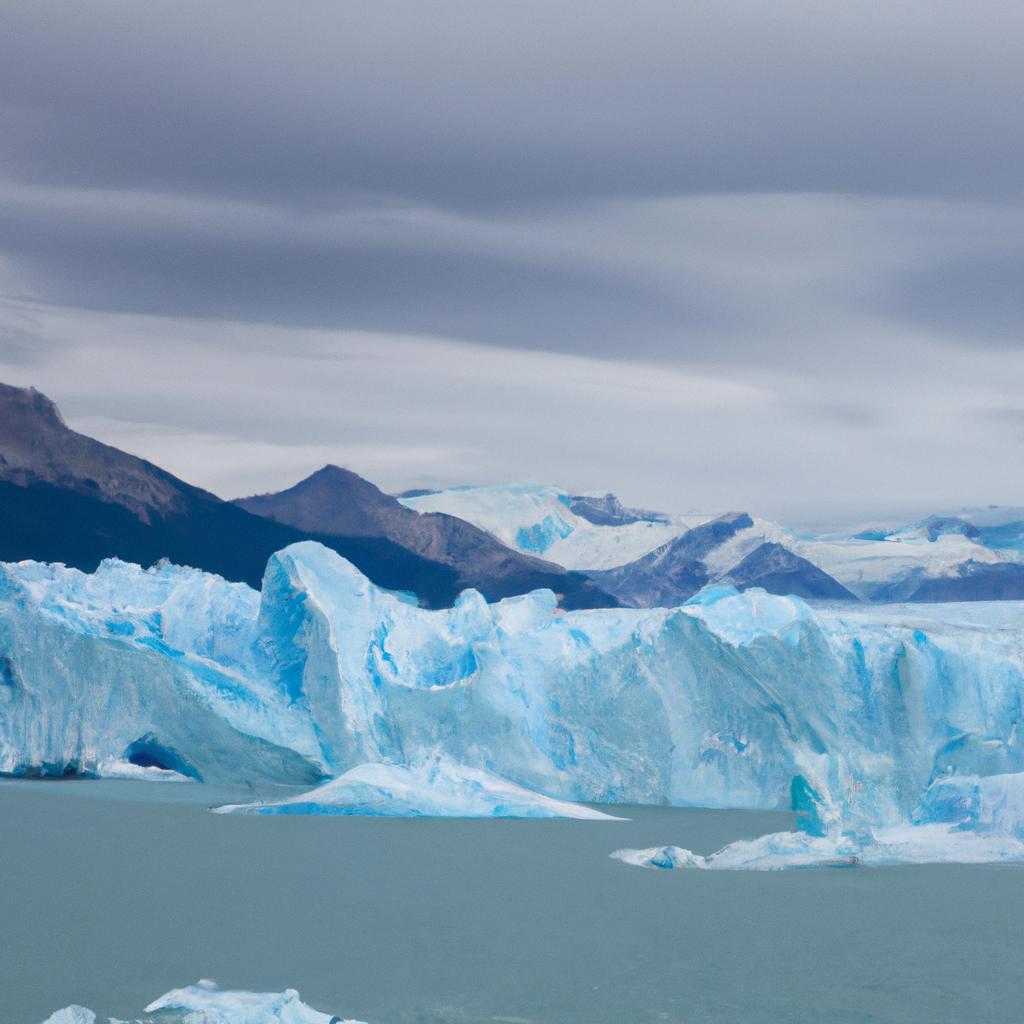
709	256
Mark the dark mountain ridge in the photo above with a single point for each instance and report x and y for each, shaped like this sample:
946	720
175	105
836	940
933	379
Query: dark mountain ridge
674	572
65	497
337	502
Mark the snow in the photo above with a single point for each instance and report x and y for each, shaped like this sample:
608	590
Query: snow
847	714
538	520
439	787
860	564
205	1003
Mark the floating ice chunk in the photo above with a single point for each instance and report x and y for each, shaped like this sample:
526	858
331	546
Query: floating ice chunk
665	857
204	1003
442	788
767	853
906	844
72	1015
148	773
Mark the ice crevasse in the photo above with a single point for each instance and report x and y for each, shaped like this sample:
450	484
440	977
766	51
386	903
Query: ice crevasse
858	718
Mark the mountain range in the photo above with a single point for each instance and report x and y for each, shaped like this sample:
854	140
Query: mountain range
68	498
65	497
648	559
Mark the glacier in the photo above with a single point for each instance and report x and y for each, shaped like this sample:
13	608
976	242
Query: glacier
540	520
436	788
849	715
205	1003
875	565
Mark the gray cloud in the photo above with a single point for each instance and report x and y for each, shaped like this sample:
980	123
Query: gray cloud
480	102
819	203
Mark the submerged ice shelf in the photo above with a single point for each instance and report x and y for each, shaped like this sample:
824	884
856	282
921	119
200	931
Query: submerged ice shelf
851	716
205	1003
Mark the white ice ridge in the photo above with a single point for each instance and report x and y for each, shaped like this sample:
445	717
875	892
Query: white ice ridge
205	1003
846	715
439	787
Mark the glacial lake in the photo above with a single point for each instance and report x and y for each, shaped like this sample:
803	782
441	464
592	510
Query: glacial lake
115	892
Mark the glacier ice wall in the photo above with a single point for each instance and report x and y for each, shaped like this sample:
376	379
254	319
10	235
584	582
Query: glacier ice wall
157	668
734	700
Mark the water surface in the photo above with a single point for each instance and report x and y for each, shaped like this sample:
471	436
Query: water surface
115	892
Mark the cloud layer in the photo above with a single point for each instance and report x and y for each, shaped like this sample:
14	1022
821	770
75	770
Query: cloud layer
705	255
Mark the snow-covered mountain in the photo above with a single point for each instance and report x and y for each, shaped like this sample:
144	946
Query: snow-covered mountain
575	531
652	559
848	714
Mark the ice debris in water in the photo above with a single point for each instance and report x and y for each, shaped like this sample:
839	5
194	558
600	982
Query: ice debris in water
205	1003
907	844
962	819
439	787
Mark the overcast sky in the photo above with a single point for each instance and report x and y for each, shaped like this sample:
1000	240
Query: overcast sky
764	256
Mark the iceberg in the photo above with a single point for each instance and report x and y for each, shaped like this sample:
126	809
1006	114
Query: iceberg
908	844
848	715
440	788
72	1015
205	1003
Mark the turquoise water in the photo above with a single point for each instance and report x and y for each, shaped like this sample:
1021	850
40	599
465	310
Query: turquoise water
115	892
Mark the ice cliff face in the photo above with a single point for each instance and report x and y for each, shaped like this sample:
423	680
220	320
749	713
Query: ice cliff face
158	669
733	700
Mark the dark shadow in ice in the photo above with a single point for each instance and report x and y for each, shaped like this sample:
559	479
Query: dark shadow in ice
148	752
